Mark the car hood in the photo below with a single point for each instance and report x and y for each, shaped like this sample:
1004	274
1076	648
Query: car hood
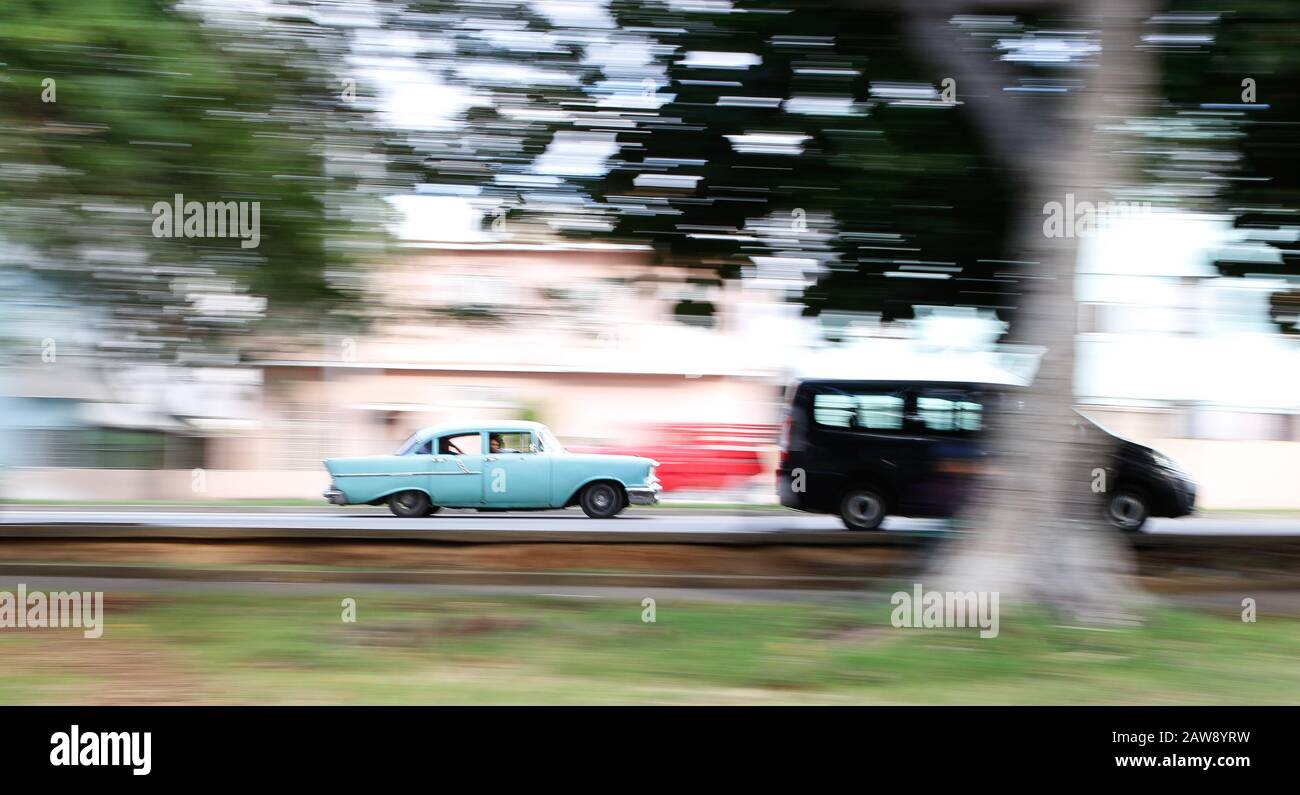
609	458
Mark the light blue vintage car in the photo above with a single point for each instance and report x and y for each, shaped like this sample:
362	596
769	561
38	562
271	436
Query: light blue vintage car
511	465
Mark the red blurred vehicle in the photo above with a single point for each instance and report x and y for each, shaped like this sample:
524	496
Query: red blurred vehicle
702	457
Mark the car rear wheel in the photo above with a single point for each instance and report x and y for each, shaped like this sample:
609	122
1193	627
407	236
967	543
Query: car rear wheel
1127	510
863	509
601	500
409	504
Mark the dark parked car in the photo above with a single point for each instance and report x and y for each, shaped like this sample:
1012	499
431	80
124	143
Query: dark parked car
866	449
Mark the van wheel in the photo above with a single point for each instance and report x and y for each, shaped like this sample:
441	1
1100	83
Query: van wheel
409	504
862	509
1127	510
601	501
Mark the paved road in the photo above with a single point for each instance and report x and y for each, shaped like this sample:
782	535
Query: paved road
568	521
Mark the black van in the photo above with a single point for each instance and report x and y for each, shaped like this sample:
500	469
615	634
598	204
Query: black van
865	449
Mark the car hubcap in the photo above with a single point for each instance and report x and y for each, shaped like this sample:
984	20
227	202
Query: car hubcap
601	499
407	501
1126	509
863	508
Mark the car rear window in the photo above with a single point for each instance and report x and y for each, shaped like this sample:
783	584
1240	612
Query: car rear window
872	410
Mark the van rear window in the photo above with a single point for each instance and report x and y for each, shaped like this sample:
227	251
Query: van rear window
873	411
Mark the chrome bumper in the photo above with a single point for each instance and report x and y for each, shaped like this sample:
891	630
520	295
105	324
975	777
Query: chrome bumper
334	496
644	495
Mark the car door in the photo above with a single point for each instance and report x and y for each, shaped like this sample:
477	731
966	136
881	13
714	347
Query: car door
858	436
951	420
516	471
456	470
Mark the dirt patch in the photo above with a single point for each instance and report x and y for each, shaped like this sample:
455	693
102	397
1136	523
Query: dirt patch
788	560
1164	564
414	634
109	672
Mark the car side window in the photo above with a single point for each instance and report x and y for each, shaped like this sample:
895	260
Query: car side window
510	442
950	411
873	410
424	449
461	444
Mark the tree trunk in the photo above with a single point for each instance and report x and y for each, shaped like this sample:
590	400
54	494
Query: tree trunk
1036	534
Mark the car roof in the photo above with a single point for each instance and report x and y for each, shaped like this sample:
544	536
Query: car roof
483	425
904	382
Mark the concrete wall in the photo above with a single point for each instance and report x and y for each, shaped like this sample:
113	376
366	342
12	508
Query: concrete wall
161	484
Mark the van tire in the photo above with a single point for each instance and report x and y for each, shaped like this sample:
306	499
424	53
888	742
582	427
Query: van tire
1127	509
863	508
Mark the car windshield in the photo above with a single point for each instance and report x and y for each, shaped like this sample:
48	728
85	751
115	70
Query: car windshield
409	444
549	443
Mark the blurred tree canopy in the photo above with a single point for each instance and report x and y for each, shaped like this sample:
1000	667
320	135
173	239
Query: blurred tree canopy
810	138
801	137
807	143
1237	84
109	106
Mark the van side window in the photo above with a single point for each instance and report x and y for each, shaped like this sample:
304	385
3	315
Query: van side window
950	412
871	411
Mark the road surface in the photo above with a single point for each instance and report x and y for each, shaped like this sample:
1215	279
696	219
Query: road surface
356	522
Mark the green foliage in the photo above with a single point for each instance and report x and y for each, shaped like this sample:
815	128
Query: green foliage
1258	177
874	182
857	185
149	101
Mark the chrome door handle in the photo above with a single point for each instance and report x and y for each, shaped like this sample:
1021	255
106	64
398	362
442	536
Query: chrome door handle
490	458
439	460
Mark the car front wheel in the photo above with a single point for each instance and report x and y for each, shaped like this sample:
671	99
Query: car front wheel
1127	510
862	509
409	504
601	500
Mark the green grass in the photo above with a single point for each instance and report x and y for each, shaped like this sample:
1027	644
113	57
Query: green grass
273	648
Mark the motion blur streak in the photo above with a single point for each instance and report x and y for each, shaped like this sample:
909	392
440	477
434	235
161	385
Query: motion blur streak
639	222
